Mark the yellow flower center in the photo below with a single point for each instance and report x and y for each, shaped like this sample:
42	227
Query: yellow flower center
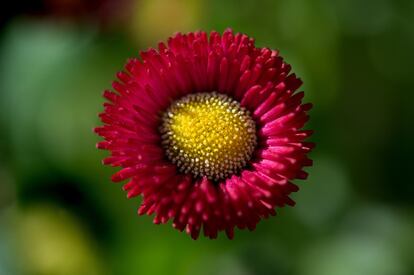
208	134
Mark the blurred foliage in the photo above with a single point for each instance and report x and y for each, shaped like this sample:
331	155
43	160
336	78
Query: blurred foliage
59	213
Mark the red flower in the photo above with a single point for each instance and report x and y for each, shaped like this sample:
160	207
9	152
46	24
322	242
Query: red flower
208	130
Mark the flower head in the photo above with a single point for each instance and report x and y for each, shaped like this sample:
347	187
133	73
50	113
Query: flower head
208	129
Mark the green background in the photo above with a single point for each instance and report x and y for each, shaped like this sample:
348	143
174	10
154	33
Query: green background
59	212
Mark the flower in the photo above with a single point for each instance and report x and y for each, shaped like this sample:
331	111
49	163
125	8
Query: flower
208	129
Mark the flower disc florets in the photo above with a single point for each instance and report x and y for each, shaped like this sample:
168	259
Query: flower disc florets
208	134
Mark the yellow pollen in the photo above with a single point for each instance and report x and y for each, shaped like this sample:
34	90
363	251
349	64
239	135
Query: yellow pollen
208	134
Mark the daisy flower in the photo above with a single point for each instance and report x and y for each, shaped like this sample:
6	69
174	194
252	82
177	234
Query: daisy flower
208	130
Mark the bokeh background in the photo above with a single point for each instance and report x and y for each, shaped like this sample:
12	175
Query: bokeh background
59	212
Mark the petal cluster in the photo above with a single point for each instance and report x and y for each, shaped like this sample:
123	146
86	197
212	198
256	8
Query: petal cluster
258	79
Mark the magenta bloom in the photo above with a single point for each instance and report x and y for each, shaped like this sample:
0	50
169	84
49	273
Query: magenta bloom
208	129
